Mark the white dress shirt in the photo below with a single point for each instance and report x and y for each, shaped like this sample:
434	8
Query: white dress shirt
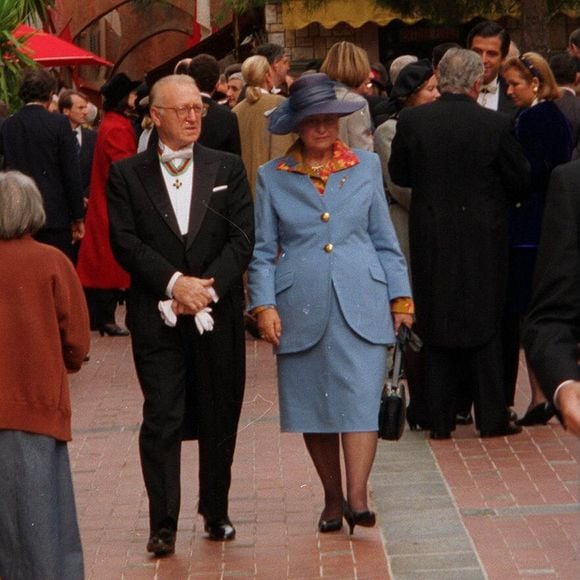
489	95
180	190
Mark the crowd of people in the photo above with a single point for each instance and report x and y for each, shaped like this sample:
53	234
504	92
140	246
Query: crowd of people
321	212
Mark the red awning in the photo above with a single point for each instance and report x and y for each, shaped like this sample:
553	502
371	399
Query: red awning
49	50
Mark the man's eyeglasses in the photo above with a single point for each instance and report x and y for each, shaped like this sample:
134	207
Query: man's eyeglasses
183	112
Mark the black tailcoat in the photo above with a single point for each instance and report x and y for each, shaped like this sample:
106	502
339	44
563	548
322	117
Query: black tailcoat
465	167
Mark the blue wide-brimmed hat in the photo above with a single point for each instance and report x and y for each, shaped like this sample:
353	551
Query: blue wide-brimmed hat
311	94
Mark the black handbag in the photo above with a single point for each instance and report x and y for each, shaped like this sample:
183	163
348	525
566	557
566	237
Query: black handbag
393	399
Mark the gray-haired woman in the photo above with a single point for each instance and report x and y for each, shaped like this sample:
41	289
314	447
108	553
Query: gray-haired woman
45	335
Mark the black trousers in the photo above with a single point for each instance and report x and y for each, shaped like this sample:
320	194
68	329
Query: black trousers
447	370
193	388
511	340
102	304
60	238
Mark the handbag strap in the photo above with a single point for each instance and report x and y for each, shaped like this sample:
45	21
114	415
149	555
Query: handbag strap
398	357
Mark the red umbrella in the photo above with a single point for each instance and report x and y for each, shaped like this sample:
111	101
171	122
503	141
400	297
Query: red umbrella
49	50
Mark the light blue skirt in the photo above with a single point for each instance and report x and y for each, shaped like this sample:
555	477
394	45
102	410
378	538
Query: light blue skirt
335	386
39	534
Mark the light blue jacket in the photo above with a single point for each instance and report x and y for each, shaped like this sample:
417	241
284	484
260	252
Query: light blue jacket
308	244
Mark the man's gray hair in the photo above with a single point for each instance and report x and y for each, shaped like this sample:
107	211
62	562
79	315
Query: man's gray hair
459	70
184	80
21	206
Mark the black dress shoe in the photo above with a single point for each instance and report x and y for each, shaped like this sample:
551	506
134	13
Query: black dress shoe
440	435
538	415
509	429
334	524
220	530
162	542
464	418
113	330
366	519
416	421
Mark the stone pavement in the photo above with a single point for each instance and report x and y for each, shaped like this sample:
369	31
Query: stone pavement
465	508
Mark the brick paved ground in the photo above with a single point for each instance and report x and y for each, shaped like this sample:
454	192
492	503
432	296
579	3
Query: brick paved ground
466	508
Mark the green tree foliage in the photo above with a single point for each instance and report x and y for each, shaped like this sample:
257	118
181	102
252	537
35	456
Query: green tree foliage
458	10
13	59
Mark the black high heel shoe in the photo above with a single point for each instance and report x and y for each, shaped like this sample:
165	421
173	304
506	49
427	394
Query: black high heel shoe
366	519
112	329
538	415
334	524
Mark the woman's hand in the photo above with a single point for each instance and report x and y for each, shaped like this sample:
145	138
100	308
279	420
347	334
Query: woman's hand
270	325
398	319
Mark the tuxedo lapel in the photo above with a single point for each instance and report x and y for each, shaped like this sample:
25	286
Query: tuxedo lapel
205	168
149	174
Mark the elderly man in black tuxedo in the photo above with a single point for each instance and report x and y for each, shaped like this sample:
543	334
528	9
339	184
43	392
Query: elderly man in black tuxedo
181	223
465	167
42	145
552	331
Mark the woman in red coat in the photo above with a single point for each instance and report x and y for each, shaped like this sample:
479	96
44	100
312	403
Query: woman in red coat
98	270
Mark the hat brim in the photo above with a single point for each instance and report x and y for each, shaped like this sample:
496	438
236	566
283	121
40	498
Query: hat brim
284	119
120	92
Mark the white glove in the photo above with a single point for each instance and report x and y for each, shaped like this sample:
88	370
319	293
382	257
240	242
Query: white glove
167	314
203	319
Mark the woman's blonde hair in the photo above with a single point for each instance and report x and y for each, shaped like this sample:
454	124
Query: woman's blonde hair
255	70
530	66
21	206
346	63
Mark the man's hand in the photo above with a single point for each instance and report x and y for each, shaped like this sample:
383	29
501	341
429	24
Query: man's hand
78	231
192	294
270	326
569	403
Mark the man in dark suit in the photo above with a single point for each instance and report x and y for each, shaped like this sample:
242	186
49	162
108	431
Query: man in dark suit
564	68
464	166
492	43
552	331
220	126
181	222
74	106
42	145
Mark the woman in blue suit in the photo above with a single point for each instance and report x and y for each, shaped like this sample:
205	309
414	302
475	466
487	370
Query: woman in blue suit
329	287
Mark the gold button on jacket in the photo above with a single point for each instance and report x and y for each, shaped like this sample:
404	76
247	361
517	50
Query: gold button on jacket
328	248
325	216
